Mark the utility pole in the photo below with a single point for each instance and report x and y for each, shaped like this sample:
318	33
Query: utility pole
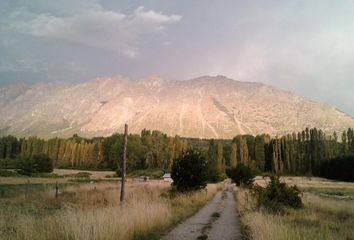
124	163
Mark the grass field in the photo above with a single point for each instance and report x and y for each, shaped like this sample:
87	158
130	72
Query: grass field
323	217
92	210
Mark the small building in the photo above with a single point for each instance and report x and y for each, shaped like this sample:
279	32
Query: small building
167	177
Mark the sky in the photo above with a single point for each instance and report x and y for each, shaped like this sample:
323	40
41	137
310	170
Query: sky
306	47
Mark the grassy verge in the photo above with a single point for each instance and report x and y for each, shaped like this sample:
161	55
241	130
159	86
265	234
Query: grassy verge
92	211
320	218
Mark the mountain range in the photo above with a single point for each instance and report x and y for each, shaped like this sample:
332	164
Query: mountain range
205	107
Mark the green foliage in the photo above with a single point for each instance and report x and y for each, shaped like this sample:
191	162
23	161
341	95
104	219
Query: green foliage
241	175
309	152
76	138
119	172
190	172
277	195
214	162
43	164
39	163
340	168
154	173
26	166
7	163
149	151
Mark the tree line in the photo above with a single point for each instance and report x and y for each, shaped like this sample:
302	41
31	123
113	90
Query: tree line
307	152
150	149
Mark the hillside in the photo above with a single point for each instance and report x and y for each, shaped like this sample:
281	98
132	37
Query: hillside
205	107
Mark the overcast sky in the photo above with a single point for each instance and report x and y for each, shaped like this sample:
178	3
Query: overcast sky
306	47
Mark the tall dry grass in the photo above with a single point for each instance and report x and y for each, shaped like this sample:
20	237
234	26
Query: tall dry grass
321	218
93	212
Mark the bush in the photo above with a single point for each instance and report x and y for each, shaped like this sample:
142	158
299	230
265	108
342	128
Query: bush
277	195
43	163
25	166
154	173
241	175
190	172
40	163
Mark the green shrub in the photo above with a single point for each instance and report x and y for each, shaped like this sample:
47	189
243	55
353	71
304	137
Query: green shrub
43	163
241	175
277	195
190	171
25	166
40	163
154	173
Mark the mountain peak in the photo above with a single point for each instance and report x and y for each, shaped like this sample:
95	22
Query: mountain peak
204	107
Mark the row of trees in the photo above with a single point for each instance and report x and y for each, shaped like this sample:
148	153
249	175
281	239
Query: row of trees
73	152
300	153
150	149
307	151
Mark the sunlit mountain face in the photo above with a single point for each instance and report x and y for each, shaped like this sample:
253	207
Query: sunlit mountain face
205	107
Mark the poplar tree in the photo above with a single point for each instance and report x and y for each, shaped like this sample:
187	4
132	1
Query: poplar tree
233	155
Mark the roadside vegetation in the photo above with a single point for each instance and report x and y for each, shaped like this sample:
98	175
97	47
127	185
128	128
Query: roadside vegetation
92	211
241	175
190	172
318	217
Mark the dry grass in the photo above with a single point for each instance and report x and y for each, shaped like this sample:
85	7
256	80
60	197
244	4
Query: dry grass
32	180
64	176
321	218
92	211
306	182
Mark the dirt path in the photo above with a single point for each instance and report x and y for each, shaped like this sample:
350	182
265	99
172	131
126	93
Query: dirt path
217	220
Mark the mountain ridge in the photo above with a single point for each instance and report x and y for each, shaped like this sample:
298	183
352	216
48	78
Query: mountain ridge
204	107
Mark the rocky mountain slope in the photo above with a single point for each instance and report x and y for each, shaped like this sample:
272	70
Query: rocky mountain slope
205	107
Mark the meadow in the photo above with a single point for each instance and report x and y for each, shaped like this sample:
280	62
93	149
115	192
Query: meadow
91	210
328	212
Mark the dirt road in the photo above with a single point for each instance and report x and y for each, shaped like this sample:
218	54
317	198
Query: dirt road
217	220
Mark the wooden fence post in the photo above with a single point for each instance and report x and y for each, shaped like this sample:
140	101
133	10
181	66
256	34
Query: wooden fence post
56	189
124	164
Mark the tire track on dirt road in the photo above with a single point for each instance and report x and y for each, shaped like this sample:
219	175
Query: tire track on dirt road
217	220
